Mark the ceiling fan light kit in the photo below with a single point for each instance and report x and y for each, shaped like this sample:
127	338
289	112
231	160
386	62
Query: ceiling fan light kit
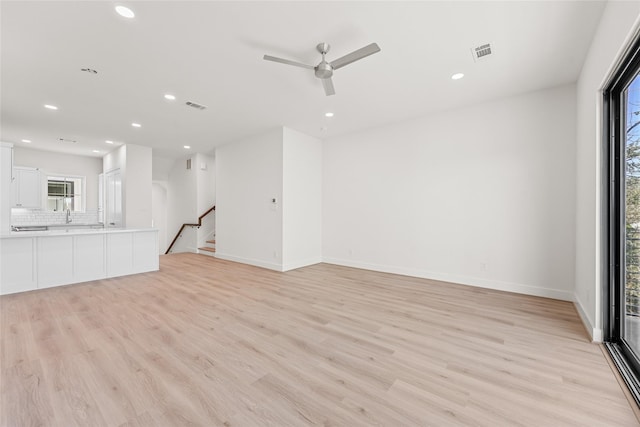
324	70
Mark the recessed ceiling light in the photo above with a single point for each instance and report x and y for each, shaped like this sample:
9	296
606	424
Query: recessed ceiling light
50	107
96	151
169	97
125	11
187	146
28	141
457	76
136	125
328	114
109	142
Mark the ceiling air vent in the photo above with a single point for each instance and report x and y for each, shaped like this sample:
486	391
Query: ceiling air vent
69	141
195	105
482	52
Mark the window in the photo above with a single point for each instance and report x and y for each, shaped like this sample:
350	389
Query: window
65	192
622	301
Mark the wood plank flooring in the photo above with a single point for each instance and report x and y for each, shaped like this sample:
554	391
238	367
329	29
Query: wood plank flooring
206	342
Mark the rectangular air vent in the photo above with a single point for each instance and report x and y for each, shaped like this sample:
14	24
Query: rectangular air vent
69	141
195	105
481	52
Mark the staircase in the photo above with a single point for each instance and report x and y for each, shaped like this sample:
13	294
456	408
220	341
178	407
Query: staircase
209	249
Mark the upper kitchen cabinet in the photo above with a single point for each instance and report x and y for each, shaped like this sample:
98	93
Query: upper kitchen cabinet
27	188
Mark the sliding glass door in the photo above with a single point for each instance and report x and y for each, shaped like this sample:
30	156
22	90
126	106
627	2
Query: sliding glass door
622	105
631	138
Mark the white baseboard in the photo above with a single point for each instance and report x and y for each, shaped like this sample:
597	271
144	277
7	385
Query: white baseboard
256	262
463	280
303	263
596	333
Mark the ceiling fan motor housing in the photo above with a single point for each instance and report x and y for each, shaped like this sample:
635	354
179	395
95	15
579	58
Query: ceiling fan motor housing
324	70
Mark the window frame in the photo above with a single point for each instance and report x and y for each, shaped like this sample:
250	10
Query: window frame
614	197
64	177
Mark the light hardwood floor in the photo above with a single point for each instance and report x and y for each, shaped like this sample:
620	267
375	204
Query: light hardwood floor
214	343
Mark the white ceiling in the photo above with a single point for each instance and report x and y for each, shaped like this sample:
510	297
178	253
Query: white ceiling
211	53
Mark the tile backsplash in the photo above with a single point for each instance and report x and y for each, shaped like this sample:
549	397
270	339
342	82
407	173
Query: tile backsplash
38	217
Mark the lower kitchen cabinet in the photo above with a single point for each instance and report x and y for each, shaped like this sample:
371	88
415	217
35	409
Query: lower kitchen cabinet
41	261
17	265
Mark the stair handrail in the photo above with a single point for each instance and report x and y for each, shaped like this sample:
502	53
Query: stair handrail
213	208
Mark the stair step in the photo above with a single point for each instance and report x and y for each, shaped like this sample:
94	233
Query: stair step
207	249
211	241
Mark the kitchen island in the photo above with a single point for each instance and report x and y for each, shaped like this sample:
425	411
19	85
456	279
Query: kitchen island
42	259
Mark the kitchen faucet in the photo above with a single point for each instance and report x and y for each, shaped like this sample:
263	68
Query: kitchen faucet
68	216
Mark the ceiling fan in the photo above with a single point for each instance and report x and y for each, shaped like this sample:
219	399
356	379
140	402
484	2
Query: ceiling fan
324	70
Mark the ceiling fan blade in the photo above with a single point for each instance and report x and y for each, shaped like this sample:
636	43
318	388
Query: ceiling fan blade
355	55
327	84
286	61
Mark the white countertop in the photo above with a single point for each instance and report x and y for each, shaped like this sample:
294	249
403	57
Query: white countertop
71	232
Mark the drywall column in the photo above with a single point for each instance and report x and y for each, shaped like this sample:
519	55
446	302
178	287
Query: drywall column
269	200
248	200
301	200
135	165
138	187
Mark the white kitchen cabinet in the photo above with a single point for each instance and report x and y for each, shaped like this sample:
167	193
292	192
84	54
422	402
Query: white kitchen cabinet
130	253
145	250
17	265
55	261
89	257
27	188
36	260
120	254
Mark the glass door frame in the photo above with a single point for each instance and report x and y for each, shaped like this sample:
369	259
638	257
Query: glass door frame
614	268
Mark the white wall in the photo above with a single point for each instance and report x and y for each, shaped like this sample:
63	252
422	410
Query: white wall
115	159
301	200
614	32
161	168
159	213
206	181
6	157
135	164
248	176
69	164
190	193
137	186
481	196
182	204
206	195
